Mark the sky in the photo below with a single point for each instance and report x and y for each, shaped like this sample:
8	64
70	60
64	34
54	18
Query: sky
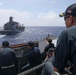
34	12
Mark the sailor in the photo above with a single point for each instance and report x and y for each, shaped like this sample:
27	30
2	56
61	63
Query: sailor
48	67
8	62
48	46
34	57
50	55
66	44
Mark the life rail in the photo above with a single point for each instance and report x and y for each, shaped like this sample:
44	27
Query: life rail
37	67
20	45
31	69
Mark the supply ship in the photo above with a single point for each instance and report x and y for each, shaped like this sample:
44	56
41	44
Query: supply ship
12	27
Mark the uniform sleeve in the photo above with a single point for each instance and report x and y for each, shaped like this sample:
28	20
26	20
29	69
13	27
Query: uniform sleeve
62	52
46	48
53	45
15	60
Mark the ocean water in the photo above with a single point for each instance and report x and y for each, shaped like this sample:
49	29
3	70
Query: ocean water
32	34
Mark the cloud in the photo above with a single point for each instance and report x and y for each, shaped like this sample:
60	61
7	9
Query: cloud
51	19
53	2
5	14
14	12
1	3
31	19
49	15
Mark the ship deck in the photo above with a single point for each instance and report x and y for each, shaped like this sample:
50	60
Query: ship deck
21	51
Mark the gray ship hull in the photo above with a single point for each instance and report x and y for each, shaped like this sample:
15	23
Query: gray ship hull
10	32
12	27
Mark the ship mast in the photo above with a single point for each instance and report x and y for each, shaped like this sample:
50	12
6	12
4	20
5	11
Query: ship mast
11	19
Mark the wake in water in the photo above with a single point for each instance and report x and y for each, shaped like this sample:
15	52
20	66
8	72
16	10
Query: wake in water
32	34
2	36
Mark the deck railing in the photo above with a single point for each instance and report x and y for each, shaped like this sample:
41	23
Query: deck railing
31	71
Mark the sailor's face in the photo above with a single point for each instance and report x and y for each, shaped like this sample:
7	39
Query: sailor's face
28	46
68	21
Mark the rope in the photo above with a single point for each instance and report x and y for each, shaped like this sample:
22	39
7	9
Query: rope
32	69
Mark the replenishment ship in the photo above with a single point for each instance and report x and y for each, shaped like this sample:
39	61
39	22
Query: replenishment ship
12	27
